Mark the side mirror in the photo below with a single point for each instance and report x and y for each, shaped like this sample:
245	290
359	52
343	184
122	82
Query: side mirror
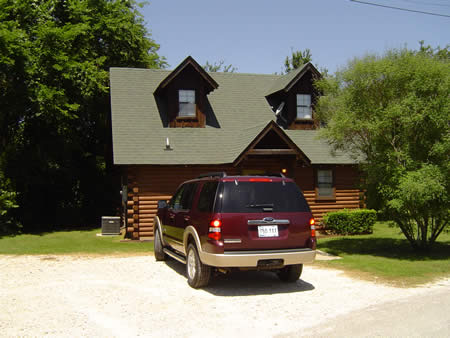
162	204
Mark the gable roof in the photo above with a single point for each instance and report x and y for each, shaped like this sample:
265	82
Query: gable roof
239	106
272	126
189	61
285	82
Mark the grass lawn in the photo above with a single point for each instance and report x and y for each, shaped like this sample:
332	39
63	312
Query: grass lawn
387	256
70	242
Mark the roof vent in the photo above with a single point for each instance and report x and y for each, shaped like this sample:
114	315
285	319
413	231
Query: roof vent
168	144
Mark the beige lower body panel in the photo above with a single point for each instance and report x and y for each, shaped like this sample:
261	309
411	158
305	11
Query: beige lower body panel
251	258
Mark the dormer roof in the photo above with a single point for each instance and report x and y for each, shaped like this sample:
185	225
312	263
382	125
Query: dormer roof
286	82
210	83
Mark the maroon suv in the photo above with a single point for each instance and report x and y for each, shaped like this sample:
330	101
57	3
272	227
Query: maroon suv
219	222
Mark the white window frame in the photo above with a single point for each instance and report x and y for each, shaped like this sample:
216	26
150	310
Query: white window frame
186	103
304	110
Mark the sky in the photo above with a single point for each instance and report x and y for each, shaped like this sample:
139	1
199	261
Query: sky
256	36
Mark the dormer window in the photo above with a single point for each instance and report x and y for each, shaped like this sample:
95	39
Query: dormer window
304	110
182	96
186	100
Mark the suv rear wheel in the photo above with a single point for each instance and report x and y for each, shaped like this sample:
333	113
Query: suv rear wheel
290	273
198	274
159	253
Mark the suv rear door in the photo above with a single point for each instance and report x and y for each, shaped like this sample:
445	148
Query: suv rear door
263	214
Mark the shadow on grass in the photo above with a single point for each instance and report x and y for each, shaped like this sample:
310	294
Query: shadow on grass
51	230
384	247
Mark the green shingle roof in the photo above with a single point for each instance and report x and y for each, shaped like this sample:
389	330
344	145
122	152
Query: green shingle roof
239	105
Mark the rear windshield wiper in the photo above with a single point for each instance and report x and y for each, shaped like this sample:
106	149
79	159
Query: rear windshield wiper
268	205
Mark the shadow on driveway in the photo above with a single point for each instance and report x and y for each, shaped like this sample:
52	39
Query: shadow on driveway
245	283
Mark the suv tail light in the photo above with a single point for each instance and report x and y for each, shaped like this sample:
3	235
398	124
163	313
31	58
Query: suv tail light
312	224
215	229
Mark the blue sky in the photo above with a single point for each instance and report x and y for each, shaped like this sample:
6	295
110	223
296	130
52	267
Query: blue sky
256	36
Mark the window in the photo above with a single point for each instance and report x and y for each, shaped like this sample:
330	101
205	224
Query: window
324	184
182	200
186	99
304	106
207	196
257	197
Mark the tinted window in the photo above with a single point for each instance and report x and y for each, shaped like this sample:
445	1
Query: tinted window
207	196
248	197
182	200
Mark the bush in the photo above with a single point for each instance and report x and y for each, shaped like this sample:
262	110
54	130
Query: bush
350	222
7	203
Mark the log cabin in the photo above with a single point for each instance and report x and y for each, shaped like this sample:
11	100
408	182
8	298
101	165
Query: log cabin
171	126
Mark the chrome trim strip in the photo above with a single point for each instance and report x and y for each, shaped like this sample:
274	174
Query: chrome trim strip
232	240
174	256
262	252
250	259
264	222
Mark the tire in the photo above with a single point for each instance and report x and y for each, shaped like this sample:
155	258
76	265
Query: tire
198	274
290	273
159	253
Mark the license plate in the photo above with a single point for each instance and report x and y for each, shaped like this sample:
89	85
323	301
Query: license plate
268	231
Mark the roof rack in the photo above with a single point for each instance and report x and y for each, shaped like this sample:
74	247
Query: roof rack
213	174
273	175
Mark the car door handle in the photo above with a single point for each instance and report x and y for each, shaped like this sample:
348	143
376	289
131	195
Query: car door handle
171	216
187	218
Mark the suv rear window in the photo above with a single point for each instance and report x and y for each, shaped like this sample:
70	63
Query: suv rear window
248	197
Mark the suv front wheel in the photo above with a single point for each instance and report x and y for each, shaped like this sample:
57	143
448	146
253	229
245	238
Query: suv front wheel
198	274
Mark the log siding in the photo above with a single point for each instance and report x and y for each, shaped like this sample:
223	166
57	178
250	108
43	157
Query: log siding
148	184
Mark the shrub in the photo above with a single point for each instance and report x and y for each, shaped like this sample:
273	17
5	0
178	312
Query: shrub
350	222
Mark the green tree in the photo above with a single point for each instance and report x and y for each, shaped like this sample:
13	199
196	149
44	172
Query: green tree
219	67
392	113
298	58
55	130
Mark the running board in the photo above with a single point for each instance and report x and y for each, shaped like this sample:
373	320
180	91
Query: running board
175	256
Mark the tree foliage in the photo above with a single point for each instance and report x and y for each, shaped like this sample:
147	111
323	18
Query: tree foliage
298	58
55	141
392	113
219	67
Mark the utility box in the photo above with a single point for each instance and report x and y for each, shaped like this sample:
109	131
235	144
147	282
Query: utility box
110	225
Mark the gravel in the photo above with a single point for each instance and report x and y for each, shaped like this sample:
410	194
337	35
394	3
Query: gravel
136	296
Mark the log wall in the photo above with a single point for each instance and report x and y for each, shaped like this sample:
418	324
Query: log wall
148	184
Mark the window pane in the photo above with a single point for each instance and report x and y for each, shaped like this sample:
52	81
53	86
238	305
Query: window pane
188	196
207	196
186	96
187	109
325	176
303	100
250	197
325	191
175	202
303	112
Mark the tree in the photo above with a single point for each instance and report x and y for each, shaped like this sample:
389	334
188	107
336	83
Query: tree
219	67
55	133
298	59
392	113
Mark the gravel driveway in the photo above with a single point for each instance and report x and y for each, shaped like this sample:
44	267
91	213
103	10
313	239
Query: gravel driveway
135	296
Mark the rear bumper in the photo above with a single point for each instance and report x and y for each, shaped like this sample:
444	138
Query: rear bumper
251	258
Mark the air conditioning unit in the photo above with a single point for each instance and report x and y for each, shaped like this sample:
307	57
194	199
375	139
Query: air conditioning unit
110	225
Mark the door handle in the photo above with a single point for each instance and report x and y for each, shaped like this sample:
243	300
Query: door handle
171	216
187	218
